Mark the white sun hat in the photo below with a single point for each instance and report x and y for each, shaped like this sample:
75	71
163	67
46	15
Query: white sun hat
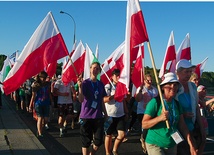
169	78
184	64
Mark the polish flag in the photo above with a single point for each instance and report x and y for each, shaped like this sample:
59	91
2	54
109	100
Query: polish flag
65	62
45	46
135	34
51	69
75	65
113	61
73	48
170	55
117	60
184	52
200	67
137	73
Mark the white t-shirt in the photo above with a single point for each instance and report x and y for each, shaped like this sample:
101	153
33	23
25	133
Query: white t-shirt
148	94
113	108
64	89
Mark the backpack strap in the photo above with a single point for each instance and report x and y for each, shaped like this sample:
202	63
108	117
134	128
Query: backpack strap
158	101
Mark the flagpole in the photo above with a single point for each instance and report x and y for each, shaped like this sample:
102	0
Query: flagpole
156	78
107	76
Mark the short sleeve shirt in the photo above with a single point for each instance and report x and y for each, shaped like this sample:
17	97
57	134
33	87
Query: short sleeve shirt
62	88
159	134
92	105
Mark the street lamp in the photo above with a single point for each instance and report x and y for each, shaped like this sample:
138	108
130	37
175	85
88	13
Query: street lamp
73	21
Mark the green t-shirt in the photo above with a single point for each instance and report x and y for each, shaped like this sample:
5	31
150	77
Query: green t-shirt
21	92
159	134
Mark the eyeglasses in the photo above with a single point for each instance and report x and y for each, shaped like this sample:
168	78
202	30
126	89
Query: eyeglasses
194	79
171	86
148	81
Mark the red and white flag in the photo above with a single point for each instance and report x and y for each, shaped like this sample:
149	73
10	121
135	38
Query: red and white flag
75	66
184	52
112	62
73	48
135	34
51	69
137	73
45	46
170	54
65	62
200	67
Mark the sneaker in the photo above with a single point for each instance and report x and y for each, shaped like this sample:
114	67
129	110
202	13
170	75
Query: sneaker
40	136
124	140
133	129
46	127
114	153
61	134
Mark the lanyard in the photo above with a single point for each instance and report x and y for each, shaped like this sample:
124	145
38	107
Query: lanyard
95	88
172	114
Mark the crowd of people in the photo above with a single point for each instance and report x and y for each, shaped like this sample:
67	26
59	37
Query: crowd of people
103	120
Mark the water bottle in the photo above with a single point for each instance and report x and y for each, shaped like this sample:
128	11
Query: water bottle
107	123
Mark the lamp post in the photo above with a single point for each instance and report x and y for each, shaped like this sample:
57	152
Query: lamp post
73	21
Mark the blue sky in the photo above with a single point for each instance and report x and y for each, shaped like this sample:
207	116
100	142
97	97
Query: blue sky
103	23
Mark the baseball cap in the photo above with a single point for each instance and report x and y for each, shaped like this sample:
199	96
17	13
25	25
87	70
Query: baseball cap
184	64
200	88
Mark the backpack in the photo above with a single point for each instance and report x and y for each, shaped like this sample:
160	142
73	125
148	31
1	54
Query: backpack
145	131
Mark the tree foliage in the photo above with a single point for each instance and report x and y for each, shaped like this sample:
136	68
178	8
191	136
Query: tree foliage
2	58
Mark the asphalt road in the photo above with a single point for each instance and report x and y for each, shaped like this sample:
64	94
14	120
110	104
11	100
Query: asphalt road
70	144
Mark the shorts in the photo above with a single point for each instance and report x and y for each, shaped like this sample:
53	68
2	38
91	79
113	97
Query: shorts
27	99
156	150
22	98
55	99
42	110
91	130
118	123
65	109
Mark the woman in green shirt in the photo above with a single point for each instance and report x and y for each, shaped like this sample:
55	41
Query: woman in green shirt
161	140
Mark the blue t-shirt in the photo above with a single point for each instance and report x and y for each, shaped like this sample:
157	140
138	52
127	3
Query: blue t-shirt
91	106
185	102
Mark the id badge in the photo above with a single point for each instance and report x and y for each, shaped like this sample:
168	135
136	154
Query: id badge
177	137
94	104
